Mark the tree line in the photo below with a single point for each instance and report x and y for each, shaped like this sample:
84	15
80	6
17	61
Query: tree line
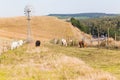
99	25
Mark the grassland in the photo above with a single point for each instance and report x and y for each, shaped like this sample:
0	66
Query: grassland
43	28
104	59
55	62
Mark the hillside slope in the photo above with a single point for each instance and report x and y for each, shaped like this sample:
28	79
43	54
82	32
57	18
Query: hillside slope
48	61
43	28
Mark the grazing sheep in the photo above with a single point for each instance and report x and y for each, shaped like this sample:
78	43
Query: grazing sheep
64	42
37	43
14	45
70	42
20	42
55	41
81	44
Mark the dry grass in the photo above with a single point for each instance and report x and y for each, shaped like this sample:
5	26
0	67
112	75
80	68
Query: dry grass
43	63
49	62
43	28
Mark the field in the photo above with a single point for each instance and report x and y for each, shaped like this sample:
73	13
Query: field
42	27
104	59
55	62
52	62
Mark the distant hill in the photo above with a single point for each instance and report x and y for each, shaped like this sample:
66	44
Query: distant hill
83	15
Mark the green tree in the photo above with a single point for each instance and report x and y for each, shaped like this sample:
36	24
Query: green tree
77	24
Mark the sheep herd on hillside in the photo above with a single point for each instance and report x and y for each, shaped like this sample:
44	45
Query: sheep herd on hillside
70	42
84	42
11	45
64	42
16	44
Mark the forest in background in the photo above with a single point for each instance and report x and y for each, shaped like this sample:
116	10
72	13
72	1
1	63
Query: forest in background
99	25
94	23
83	15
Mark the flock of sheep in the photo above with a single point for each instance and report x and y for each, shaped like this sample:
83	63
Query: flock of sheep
19	43
16	44
70	42
10	45
84	42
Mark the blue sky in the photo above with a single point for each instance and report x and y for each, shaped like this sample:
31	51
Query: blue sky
10	8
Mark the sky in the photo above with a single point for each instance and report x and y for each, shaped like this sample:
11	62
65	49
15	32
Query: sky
9	8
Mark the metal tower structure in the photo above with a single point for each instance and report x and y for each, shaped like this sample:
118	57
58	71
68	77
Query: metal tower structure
28	10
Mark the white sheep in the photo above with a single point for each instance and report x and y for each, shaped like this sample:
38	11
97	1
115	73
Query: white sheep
14	45
20	42
64	42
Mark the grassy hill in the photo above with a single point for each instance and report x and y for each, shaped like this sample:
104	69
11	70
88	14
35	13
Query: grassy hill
44	28
53	62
